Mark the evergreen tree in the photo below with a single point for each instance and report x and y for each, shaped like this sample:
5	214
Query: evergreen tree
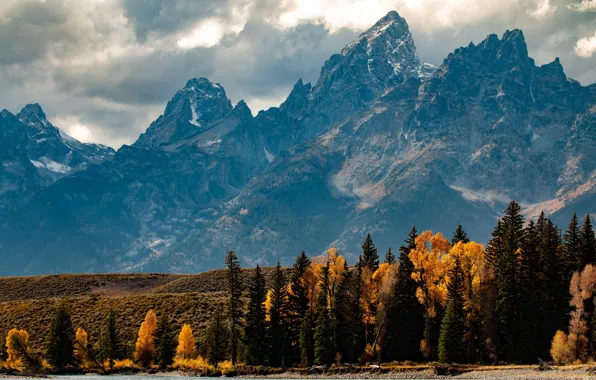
588	242
256	325
506	248
217	338
277	324
234	302
389	257
405	313
307	344
60	350
111	347
370	256
165	343
346	323
359	330
298	307
323	332
532	292
451	340
572	244
459	235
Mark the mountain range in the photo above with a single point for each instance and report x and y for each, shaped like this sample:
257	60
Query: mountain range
379	143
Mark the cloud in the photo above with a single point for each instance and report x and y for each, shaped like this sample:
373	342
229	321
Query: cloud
584	6
110	66
543	11
586	47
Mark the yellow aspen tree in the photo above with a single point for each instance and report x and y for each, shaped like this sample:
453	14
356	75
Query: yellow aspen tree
145	345
17	343
337	269
580	288
80	346
560	350
431	265
383	279
186	343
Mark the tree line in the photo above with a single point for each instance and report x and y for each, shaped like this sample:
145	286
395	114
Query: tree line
526	295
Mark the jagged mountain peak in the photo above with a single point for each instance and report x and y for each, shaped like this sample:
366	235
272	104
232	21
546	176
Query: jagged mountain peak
391	25
35	119
33	110
194	108
5	114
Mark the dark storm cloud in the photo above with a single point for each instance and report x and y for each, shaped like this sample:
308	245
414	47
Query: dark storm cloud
158	17
108	67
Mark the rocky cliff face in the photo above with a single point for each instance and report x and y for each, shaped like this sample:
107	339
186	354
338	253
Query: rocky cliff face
379	143
35	154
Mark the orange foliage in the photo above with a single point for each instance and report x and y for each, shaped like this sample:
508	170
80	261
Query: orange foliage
431	265
186	342
145	345
80	346
14	353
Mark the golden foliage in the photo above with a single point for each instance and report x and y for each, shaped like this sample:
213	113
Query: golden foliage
368	297
186	343
473	264
80	346
121	364
145	345
431	265
198	364
225	365
561	351
14	339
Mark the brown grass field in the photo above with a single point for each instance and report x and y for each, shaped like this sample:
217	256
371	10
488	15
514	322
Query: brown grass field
29	302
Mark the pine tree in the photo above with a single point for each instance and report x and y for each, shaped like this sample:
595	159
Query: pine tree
556	278
307	344
112	348
507	273
389	257
60	350
405	313
277	325
370	256
234	302
186	343
532	292
323	334
451	340
460	235
346	324
145	345
572	244
217	338
588	242
256	325
165	343
359	331
298	307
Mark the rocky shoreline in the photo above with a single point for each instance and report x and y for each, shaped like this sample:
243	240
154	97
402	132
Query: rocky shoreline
489	373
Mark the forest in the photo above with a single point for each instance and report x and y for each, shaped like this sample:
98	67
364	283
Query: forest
528	295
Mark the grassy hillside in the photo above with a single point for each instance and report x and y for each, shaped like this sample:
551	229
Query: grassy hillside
29	302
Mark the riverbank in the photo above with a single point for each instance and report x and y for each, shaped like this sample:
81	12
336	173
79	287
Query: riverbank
409	372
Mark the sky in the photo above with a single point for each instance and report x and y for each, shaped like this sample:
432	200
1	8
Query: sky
103	70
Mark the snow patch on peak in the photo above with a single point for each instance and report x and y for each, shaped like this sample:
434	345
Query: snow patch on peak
56	167
193	108
269	156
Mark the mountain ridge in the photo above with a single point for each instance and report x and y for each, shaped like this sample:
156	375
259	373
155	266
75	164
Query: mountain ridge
380	142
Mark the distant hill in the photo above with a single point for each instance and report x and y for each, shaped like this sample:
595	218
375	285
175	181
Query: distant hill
29	302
